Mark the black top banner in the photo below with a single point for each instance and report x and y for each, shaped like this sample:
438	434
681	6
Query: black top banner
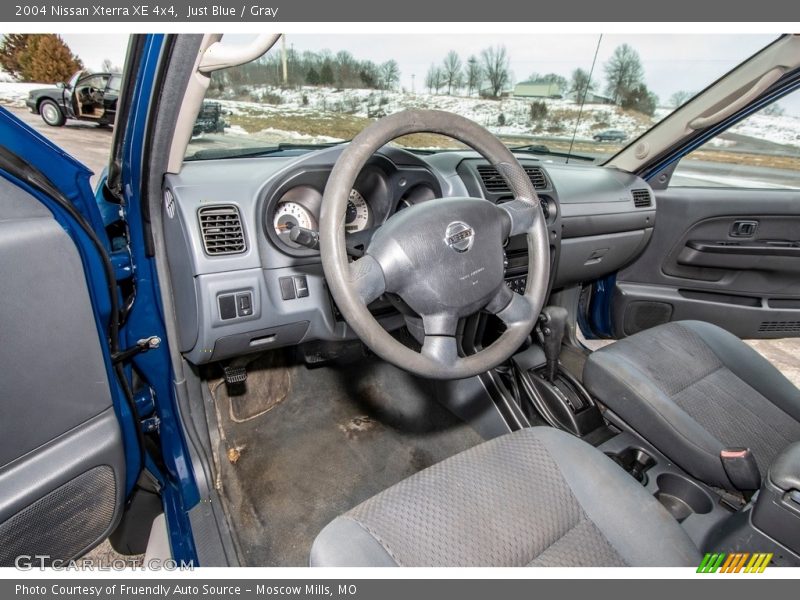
261	11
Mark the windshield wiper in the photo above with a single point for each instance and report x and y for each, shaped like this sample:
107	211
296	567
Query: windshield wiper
213	153
541	149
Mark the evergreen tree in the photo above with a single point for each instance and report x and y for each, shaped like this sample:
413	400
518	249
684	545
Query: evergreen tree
640	99
312	77
326	74
48	59
12	48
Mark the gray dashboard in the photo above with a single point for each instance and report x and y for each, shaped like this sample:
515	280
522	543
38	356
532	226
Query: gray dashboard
240	288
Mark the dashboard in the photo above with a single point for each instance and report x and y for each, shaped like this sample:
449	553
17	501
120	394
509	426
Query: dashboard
243	255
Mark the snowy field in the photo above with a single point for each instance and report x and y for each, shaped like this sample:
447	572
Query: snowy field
316	114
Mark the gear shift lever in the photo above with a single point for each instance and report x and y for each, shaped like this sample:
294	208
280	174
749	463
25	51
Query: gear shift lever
553	322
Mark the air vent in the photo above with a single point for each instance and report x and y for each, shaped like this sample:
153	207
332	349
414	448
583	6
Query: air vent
779	327
641	198
222	231
496	184
537	177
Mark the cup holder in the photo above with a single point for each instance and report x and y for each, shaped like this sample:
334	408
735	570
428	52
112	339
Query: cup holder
635	461
681	496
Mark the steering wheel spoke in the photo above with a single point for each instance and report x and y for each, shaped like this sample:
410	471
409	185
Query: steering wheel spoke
440	344
367	279
442	349
521	215
512	308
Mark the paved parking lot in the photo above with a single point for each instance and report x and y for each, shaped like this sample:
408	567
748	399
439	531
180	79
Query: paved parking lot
87	142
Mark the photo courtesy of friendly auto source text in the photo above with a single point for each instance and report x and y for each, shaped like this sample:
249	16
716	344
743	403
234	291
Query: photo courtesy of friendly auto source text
352	300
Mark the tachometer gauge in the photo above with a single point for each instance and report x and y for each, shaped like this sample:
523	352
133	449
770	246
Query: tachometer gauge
289	215
357	213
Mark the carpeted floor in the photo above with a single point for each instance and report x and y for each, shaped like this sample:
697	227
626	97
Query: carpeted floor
300	446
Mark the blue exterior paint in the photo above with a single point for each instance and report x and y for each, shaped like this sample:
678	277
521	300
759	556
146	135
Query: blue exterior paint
600	323
72	179
178	488
146	318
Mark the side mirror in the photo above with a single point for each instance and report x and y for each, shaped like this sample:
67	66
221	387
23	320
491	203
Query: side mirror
61	85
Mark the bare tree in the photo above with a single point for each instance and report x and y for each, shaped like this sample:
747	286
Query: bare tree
473	75
451	70
434	80
496	68
679	98
580	85
624	72
390	74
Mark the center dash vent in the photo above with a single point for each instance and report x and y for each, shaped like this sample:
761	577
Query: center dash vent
496	183
221	227
641	198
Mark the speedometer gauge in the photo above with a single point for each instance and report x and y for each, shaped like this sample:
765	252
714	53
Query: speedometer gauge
289	215
357	213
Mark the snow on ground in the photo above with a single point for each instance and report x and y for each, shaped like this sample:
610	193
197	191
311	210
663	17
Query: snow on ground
783	129
507	116
14	92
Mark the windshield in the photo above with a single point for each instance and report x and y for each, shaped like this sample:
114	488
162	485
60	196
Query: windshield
584	95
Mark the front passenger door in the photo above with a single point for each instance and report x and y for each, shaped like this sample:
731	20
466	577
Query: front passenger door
726	246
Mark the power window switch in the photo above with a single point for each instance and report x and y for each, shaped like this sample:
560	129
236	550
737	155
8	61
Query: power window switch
301	285
244	304
287	288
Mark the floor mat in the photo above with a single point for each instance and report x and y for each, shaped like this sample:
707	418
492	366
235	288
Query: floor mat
334	438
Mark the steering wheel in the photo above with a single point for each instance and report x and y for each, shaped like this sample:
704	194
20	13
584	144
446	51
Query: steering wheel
443	258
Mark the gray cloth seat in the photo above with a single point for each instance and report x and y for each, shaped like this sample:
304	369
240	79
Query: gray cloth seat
691	389
536	497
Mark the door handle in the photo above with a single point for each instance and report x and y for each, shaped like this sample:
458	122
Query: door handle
744	228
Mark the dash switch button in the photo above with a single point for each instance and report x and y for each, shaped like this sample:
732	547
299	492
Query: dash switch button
244	304
301	285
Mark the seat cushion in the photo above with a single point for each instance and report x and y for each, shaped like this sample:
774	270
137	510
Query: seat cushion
536	497
691	389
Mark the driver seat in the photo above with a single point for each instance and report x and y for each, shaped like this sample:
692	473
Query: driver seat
537	497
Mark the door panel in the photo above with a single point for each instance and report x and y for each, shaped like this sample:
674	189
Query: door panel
727	256
62	465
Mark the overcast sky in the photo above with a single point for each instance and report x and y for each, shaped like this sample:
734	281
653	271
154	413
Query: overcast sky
671	61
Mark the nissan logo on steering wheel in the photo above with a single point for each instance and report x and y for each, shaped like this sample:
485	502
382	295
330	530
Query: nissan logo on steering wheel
459	236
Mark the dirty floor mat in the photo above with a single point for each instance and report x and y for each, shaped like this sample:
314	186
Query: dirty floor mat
320	443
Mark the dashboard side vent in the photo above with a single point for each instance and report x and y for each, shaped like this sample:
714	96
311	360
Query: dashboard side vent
221	228
779	327
496	184
641	198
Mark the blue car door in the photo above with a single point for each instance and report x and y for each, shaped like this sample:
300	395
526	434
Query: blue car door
66	463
